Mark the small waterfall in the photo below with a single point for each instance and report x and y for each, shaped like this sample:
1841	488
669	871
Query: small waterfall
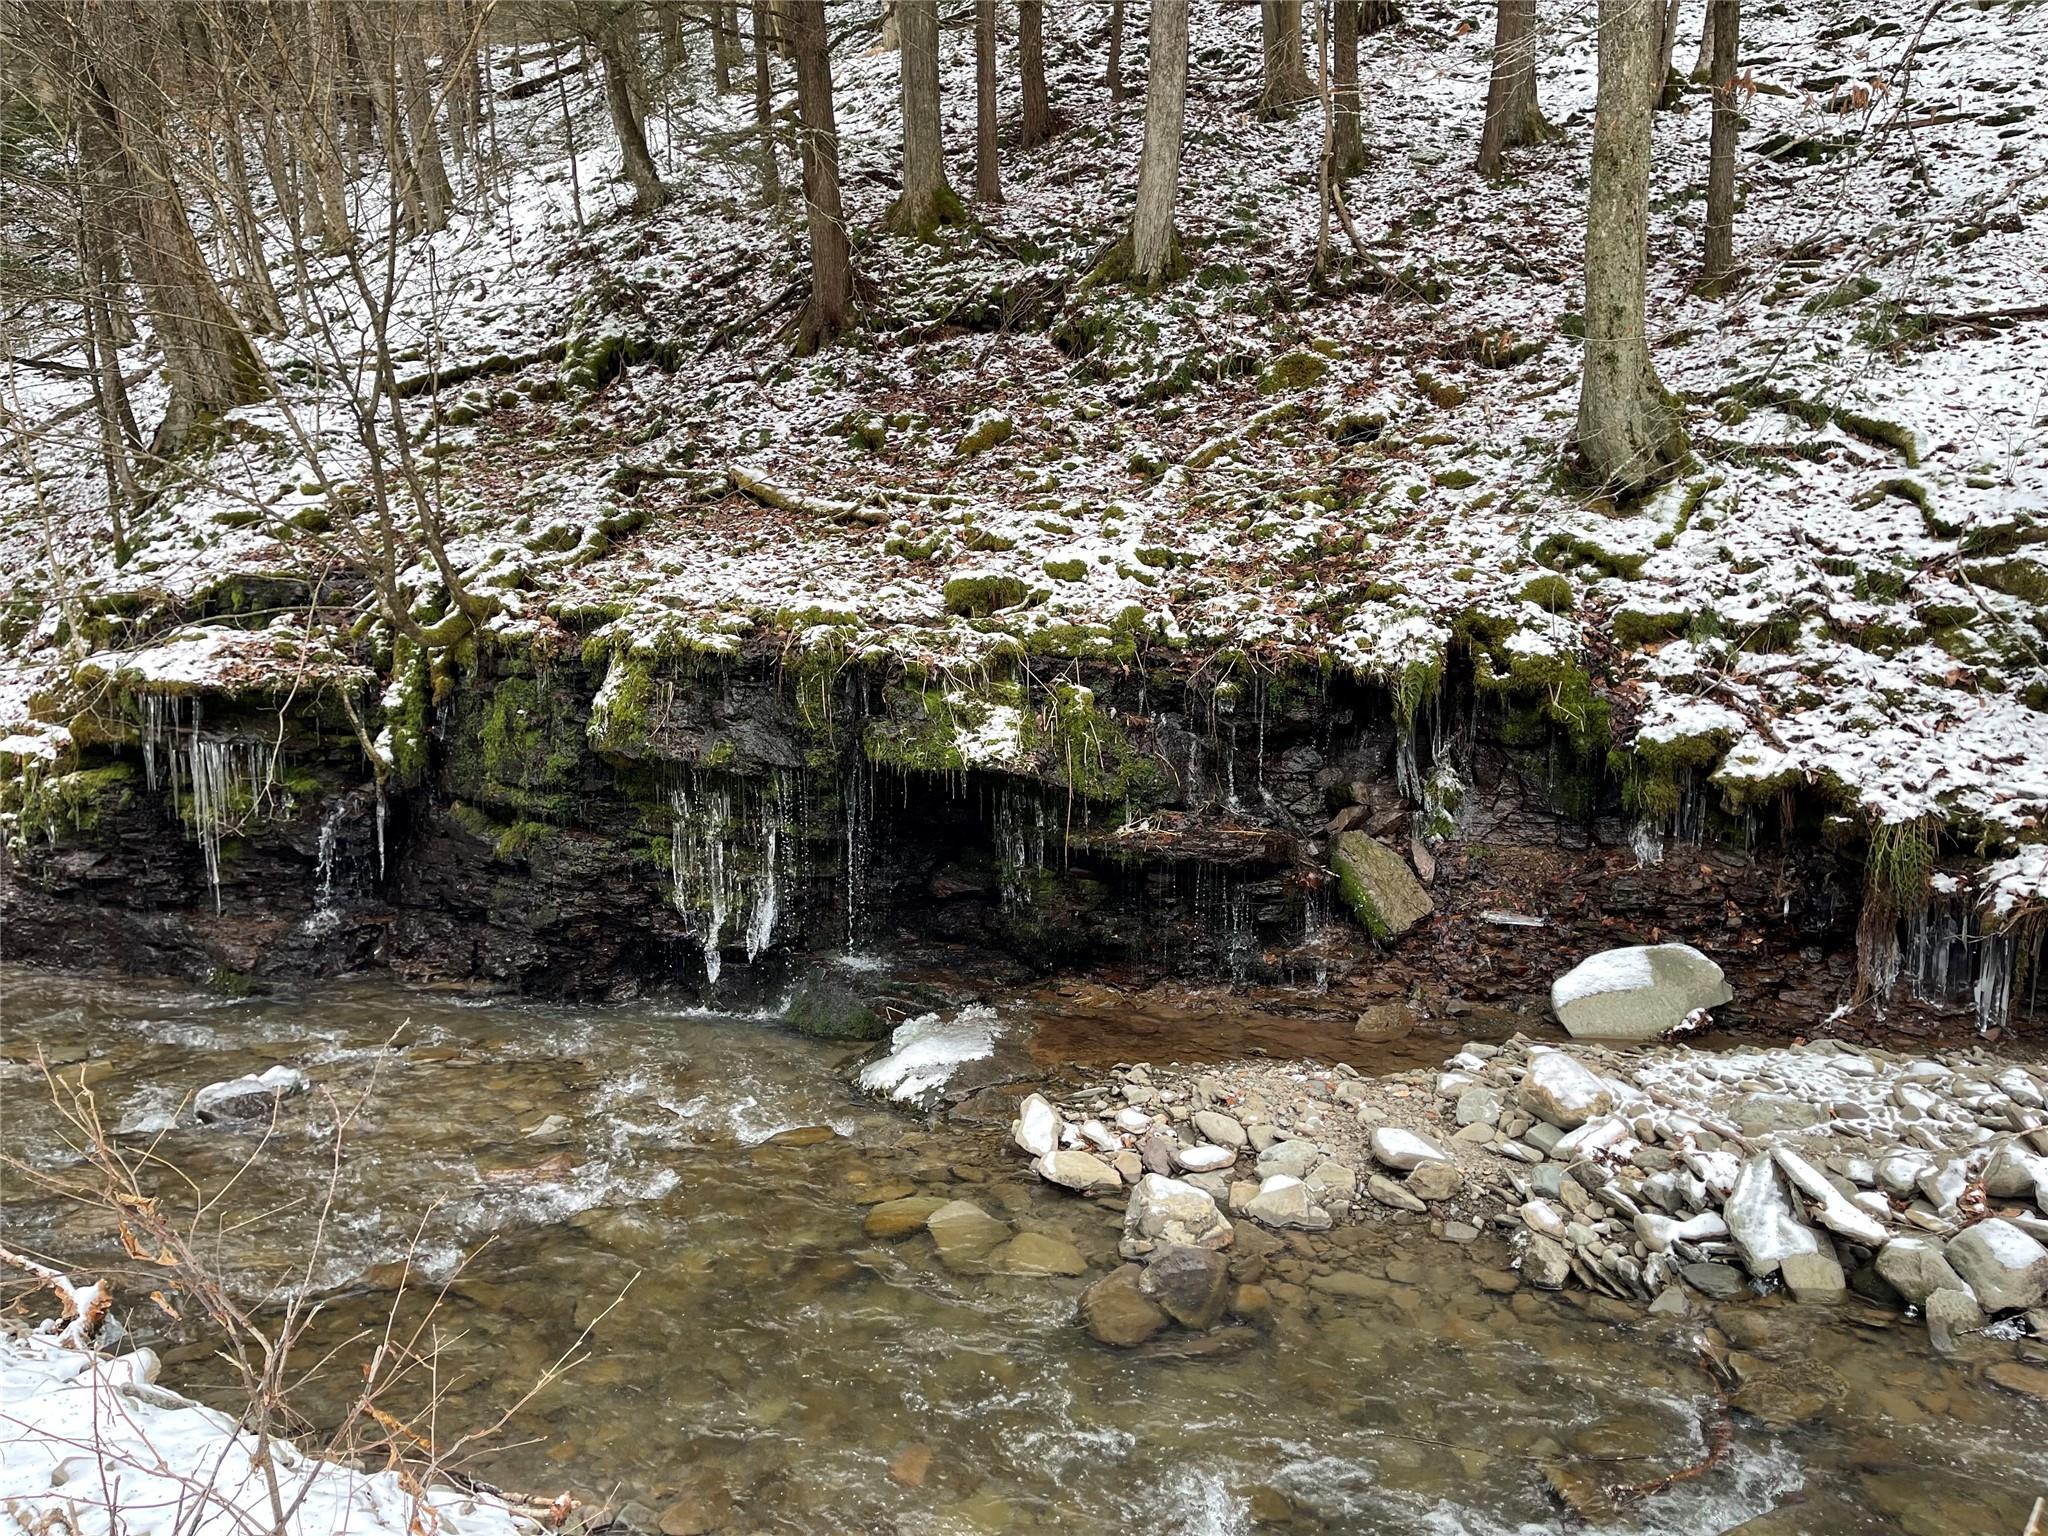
1316	931
727	847
1023	831
218	783
1646	841
1993	992
325	915
860	824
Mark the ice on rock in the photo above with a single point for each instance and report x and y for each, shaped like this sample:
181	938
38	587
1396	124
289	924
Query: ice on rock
248	1098
926	1051
1764	1227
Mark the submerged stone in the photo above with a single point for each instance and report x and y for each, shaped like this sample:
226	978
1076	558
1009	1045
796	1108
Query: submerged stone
1116	1312
825	1010
1638	993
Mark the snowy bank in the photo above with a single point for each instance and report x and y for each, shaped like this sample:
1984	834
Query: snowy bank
92	1442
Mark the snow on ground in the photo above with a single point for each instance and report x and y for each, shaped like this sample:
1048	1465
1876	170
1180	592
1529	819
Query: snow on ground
1846	588
90	1443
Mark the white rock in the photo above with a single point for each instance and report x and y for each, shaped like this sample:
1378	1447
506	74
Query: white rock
1637	993
1283	1201
1658	1232
1164	1210
1036	1130
1594	1136
1133	1120
1403	1149
1542	1216
1203	1157
250	1097
1082	1172
1833	1209
1761	1221
1100	1136
1560	1089
2005	1267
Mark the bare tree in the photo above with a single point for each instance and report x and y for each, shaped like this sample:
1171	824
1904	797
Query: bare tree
926	201
1724	19
1629	434
1284	78
1348	158
764	100
1115	68
1512	116
830	307
1150	253
1036	127
605	26
988	181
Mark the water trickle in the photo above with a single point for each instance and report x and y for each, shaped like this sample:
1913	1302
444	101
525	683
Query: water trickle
860	824
218	783
1023	832
1646	841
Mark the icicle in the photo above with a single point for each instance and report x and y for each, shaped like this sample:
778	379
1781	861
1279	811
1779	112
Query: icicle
1646	840
726	852
381	812
221	768
1994	982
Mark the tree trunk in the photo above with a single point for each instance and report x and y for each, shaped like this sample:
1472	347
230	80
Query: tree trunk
260	295
1349	157
764	103
609	35
721	49
1377	16
671	37
1155	250
209	364
826	315
926	201
423	129
988	181
1512	116
1037	123
1703	62
1116	50
1285	77
320	151
1669	85
1723	24
1629	433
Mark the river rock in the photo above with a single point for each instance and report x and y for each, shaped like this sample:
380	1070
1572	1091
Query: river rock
1950	1315
900	1218
1283	1201
1478	1105
1132	1120
1331	1180
1036	1130
1192	1284
1657	1233
1832	1209
1560	1090
1397	1148
1034	1253
824	1009
1082	1172
1916	1269
965	1234
1434	1181
248	1098
1378	886
2006	1268
1164	1210
1389	1192
1547	1264
2027	1380
1814	1277
1216	1127
1204	1158
1116	1312
1155	1150
1637	993
1761	1221
1293	1157
2013	1172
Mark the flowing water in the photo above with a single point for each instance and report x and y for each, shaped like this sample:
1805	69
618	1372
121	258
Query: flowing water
756	1364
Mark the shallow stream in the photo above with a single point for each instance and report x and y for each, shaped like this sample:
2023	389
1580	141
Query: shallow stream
755	1363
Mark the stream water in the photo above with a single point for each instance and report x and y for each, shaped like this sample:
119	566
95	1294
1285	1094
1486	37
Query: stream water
648	1180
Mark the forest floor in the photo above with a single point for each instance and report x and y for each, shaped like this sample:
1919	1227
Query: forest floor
1847	586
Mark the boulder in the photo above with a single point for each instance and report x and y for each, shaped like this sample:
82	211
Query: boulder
2012	1172
1394	1147
1638	993
1378	886
966	1234
1331	1180
825	1010
1191	1284
1164	1210
1764	1227
1283	1201
1036	1130
2006	1268
1560	1090
900	1218
1117	1313
1547	1264
1203	1158
248	1098
1916	1269
1950	1315
1082	1172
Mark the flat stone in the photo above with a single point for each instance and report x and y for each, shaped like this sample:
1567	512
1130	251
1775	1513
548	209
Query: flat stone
2027	1380
1377	885
892	1219
1214	1126
1723	1282
1204	1157
1546	1264
1765	1228
1831	1208
1293	1157
1478	1105
1638	993
1387	1192
1434	1181
1403	1149
1155	1150
1460	1232
1560	1090
965	1234
1082	1172
1814	1277
1283	1201
1116	1312
1034	1253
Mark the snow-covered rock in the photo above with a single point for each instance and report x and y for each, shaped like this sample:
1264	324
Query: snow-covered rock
1637	993
1164	1210
926	1051
1562	1090
1285	1202
1762	1223
1831	1208
248	1098
2006	1268
1036	1130
1204	1158
1394	1147
1082	1172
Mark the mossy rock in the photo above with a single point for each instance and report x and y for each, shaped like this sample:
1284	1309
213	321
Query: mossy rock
976	597
1066	570
1378	886
825	1010
984	433
1292	371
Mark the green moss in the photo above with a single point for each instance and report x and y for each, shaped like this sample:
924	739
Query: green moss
1899	863
1066	570
1638	627
1561	551
985	541
1292	371
621	715
1089	750
50	806
984	433
1455	479
976	597
1553	594
918	732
